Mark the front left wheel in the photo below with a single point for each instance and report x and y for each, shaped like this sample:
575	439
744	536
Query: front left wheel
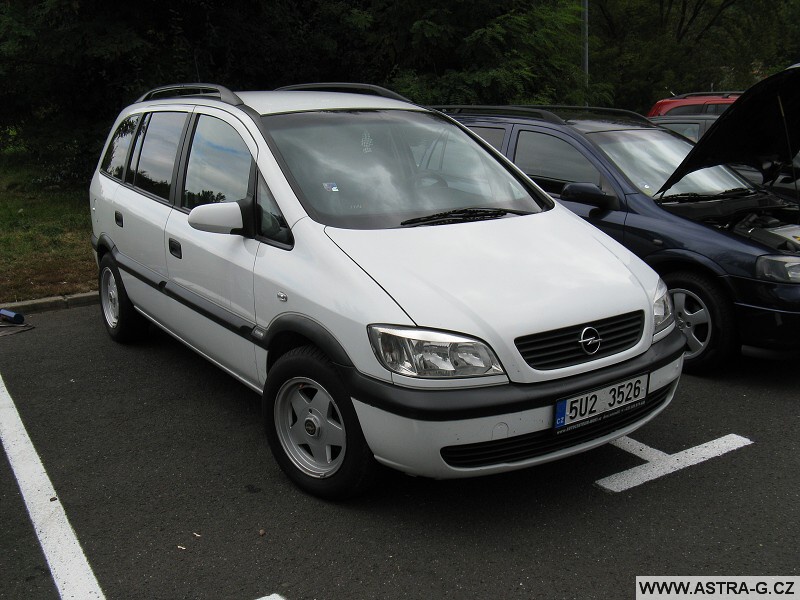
312	427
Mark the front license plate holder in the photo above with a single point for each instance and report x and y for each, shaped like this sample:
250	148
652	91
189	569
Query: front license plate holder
600	403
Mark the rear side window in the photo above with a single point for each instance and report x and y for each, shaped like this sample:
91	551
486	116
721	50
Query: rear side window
717	109
157	145
219	165
686	109
551	162
114	160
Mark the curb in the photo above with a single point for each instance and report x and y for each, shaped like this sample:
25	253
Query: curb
53	303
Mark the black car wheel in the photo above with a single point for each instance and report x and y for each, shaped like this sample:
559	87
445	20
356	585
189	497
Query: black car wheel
705	316
312	427
122	321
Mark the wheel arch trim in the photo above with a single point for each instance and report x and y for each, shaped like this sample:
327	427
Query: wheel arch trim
673	260
296	324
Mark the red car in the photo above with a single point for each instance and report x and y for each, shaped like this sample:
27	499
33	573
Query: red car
696	103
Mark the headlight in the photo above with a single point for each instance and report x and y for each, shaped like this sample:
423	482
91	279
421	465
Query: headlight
663	316
431	354
785	269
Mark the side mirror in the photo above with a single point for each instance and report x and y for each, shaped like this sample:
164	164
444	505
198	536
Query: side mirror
220	217
589	193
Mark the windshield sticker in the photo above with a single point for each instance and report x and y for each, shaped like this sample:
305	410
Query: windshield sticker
330	187
366	142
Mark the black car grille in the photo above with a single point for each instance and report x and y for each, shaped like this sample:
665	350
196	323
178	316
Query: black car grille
531	445
561	348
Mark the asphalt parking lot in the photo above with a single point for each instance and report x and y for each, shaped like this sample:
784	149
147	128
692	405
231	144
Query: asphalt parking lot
159	462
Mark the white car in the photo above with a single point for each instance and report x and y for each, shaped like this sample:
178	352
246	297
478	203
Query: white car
398	291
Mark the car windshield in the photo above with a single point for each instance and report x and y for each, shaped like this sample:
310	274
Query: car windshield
376	169
649	156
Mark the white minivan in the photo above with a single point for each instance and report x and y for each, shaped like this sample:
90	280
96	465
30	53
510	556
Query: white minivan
397	291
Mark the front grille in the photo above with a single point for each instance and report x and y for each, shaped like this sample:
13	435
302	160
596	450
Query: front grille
539	443
561	348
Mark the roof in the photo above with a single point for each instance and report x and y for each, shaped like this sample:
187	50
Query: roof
593	125
298	101
684	118
583	119
297	98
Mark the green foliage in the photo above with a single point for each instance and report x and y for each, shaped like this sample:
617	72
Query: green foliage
44	235
492	53
650	50
68	66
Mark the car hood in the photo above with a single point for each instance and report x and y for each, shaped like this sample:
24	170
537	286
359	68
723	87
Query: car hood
501	279
761	129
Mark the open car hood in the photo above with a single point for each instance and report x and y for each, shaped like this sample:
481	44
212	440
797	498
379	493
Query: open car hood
761	129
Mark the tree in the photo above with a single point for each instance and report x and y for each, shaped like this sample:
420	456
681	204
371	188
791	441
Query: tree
68	66
649	50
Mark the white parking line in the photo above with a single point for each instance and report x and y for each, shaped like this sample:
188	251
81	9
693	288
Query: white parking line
660	463
644	452
71	572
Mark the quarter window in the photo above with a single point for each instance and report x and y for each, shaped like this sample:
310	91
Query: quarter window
114	160
271	224
493	135
161	134
219	164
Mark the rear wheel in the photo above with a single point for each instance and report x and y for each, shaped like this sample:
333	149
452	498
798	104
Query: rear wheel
122	321
705	316
312	427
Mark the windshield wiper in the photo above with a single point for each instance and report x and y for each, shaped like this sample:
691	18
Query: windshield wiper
462	215
735	193
731	193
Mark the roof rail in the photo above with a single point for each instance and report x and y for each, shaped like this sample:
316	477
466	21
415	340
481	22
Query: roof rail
523	111
566	112
178	90
355	88
719	94
556	113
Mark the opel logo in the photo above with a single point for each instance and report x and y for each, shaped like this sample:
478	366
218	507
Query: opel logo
590	340
311	425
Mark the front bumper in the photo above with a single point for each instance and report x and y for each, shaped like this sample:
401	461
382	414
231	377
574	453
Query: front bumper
477	431
767	313
767	328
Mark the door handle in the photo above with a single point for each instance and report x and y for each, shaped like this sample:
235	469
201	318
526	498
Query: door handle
118	218
175	248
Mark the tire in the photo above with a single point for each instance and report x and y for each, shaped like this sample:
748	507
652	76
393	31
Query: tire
324	453
122	321
705	315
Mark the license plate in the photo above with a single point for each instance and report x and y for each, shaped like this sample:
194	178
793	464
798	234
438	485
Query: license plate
599	404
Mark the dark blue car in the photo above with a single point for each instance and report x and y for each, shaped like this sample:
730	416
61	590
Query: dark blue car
728	249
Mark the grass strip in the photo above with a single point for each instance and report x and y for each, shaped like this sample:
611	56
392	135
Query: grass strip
45	233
